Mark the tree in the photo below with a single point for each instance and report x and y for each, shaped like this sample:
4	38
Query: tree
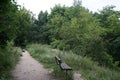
42	18
77	3
74	28
8	11
56	20
109	20
40	30
24	24
8	16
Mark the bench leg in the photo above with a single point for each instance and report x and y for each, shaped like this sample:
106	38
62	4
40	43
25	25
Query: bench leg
66	74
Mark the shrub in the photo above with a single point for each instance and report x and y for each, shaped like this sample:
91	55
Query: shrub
9	56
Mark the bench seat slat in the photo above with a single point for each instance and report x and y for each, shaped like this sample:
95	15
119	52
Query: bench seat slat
64	66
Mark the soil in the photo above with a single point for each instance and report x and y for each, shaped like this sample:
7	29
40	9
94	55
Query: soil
30	69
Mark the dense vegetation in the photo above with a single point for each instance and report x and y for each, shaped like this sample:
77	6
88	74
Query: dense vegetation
9	54
75	28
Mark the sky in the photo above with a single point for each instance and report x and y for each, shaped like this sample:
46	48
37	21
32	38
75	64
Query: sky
93	5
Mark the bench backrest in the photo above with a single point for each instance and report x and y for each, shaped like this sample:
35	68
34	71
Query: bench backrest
58	60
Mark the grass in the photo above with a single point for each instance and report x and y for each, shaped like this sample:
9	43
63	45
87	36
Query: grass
89	69
45	55
84	65
8	58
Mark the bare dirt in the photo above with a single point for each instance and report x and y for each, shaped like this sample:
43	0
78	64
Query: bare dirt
77	76
30	69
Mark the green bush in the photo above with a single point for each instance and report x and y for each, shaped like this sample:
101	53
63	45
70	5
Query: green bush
9	56
55	43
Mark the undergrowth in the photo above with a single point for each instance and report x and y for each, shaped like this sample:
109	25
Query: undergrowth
84	65
9	56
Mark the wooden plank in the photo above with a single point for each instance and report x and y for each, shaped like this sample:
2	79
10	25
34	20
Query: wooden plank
64	66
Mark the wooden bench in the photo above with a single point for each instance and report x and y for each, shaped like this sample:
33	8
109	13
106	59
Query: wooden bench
62	65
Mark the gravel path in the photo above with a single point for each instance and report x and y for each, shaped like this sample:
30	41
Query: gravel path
29	69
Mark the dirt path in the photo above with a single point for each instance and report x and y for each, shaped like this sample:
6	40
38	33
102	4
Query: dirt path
30	69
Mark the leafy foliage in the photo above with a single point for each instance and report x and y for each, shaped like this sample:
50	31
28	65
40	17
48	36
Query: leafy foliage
109	20
85	33
74	28
8	55
7	21
39	30
24	24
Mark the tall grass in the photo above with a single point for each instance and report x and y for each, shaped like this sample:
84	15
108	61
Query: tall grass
45	55
89	69
84	65
8	58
